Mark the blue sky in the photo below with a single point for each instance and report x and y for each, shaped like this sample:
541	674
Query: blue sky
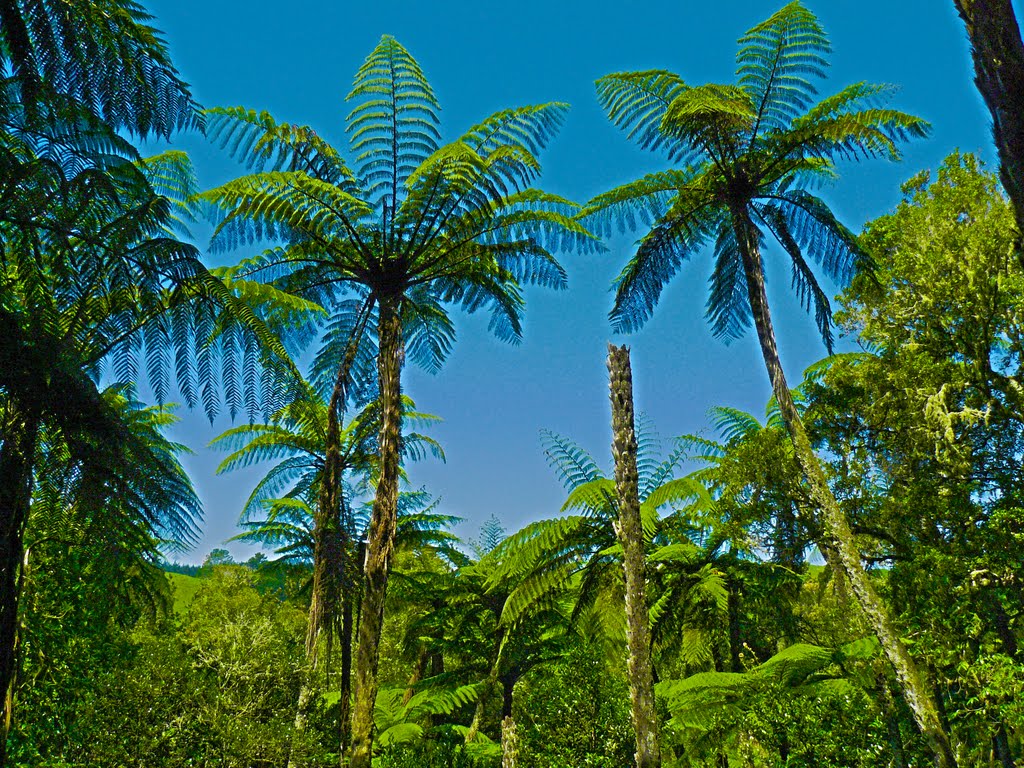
481	57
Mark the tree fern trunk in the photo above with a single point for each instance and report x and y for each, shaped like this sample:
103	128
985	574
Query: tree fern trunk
16	461
998	53
345	688
841	543
382	531
631	536
328	564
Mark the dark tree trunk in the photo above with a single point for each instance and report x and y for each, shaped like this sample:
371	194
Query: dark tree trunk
345	688
631	535
508	687
1001	747
383	522
735	638
998	54
17	457
331	547
836	529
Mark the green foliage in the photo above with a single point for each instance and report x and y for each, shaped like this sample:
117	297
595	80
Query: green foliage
930	424
218	688
749	151
575	712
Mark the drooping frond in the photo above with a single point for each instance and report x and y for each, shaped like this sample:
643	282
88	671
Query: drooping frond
638	203
817	231
638	101
808	292
428	330
776	62
102	54
684	230
728	305
260	143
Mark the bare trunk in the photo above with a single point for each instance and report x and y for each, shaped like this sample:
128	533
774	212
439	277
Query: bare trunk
998	53
509	743
16	460
382	531
631	535
841	543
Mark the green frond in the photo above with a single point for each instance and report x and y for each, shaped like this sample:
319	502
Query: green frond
596	498
777	60
537	591
680	491
260	143
274	205
571	461
532	546
530	127
733	424
394	127
681	232
638	101
728	305
638	203
701	116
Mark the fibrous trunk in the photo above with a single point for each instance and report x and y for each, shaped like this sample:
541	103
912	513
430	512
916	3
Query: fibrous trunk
383	521
330	560
16	461
631	535
841	545
998	53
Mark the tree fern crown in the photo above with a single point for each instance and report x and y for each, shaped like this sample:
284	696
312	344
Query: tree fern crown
750	153
410	220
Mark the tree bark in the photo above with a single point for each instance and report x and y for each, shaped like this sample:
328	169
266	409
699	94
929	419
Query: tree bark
631	535
331	548
509	743
17	456
998	54
383	521
836	528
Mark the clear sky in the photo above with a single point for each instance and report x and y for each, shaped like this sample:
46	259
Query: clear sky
296	60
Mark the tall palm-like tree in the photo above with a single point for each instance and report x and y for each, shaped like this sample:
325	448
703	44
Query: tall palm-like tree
629	529
112	288
750	150
417	227
284	509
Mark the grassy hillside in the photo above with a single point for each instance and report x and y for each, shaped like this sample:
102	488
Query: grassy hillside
184	588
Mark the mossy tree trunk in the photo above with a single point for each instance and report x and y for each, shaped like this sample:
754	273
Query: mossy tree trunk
331	598
383	521
631	535
841	545
16	462
998	54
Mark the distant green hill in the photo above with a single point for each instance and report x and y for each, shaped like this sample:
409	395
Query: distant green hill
184	589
